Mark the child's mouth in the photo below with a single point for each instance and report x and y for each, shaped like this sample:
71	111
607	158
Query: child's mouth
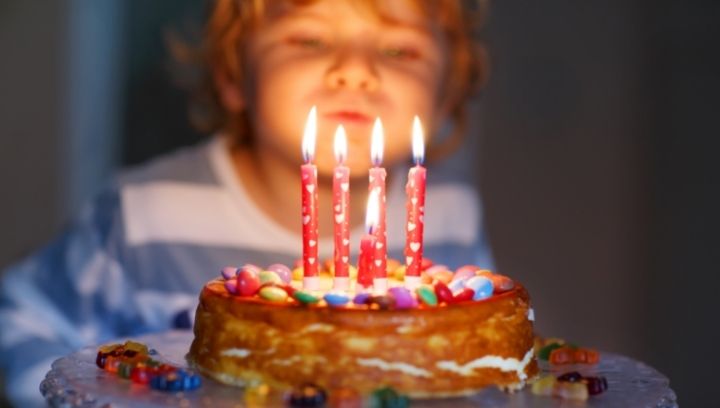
349	117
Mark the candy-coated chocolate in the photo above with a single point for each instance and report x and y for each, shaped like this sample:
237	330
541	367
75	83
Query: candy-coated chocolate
269	277
231	286
305	297
426	263
431	271
282	271
456	286
229	272
248	283
336	298
289	289
251	268
382	302
443	276
297	273
464	295
273	293
140	375
403	297
501	283
482	286
352	272
467	268
361	298
444	294
427	295
463	274
399	272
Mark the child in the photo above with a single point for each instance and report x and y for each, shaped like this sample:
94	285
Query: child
138	256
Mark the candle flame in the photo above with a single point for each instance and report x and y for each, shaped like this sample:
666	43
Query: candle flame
377	143
309	136
418	141
373	211
340	144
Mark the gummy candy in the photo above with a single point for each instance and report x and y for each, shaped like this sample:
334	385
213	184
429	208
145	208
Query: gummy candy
307	395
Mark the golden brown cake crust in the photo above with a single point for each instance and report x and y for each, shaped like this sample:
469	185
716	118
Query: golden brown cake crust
423	352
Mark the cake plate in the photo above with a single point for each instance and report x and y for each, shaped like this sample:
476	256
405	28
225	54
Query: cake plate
75	381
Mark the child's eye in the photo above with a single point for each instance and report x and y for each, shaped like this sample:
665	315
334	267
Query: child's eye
401	53
307	42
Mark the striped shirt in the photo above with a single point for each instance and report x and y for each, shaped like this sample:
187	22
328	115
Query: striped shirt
136	258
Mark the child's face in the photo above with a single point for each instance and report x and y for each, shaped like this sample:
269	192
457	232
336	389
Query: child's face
354	66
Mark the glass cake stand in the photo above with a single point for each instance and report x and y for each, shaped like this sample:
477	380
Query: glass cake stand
75	381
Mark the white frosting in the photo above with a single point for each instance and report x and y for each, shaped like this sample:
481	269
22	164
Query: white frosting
502	364
385	366
531	314
236	352
317	327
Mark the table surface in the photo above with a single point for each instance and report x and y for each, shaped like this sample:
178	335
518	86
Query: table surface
75	381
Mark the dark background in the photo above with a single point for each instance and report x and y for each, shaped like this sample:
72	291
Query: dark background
594	143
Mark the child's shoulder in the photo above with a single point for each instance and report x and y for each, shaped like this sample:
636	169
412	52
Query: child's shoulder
192	165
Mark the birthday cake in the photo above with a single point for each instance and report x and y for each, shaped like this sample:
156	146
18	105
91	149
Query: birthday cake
455	334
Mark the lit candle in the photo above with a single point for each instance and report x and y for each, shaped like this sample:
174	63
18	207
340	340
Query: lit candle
366	268
377	177
415	207
341	211
308	171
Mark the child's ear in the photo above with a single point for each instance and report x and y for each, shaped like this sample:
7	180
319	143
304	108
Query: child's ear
230	92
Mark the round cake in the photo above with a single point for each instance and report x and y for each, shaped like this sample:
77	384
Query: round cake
438	346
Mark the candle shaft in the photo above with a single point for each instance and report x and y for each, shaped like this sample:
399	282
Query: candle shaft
377	178
341	215
310	220
415	206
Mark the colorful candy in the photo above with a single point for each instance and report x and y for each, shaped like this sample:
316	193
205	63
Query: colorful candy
281	271
482	286
361	298
573	355
228	272
388	398
248	283
273	294
444	294
403	297
306	298
544	386
269	277
336	298
307	395
132	361
427	295
464	295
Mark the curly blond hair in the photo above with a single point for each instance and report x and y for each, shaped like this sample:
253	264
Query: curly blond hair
230	22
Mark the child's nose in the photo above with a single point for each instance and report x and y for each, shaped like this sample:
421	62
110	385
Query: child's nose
353	72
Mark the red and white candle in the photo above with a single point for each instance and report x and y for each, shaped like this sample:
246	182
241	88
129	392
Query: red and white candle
377	176
366	262
308	171
341	212
415	206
